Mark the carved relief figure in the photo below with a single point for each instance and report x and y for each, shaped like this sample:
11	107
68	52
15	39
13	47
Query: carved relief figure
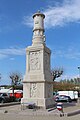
33	89
35	60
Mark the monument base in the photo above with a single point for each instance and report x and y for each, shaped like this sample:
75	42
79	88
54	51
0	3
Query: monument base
44	103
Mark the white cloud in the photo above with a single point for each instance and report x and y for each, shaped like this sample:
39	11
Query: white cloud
27	20
66	53
60	14
2	56
12	59
67	77
11	51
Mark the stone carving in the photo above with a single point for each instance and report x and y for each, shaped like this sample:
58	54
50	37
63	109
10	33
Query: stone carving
33	89
35	60
47	61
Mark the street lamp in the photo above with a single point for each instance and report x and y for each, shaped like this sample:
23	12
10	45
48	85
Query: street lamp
79	71
79	77
79	83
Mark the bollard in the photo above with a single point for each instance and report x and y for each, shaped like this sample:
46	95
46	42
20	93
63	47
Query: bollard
60	106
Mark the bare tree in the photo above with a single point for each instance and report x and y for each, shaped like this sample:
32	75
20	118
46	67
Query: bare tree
56	73
15	79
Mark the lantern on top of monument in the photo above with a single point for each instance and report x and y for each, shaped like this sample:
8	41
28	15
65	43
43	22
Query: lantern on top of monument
38	30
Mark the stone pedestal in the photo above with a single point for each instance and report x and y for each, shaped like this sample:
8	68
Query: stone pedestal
38	84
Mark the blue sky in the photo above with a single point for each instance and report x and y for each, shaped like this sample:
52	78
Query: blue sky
62	30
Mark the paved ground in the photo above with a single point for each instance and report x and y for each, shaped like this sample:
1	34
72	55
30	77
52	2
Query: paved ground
15	113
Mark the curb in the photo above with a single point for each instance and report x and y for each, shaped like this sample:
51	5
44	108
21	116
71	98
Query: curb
69	114
73	113
9	104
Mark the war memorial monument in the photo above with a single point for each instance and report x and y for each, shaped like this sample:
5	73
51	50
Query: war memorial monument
38	83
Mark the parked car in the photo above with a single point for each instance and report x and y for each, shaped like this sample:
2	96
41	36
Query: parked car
4	98
18	95
73	94
62	98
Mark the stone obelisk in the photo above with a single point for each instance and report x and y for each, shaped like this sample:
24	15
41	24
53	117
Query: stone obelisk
38	84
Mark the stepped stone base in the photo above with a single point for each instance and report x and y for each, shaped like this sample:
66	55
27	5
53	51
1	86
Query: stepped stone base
41	103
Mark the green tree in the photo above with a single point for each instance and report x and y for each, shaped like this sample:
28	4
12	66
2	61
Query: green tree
63	85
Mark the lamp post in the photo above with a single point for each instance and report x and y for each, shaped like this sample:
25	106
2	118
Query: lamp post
79	84
79	72
79	78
